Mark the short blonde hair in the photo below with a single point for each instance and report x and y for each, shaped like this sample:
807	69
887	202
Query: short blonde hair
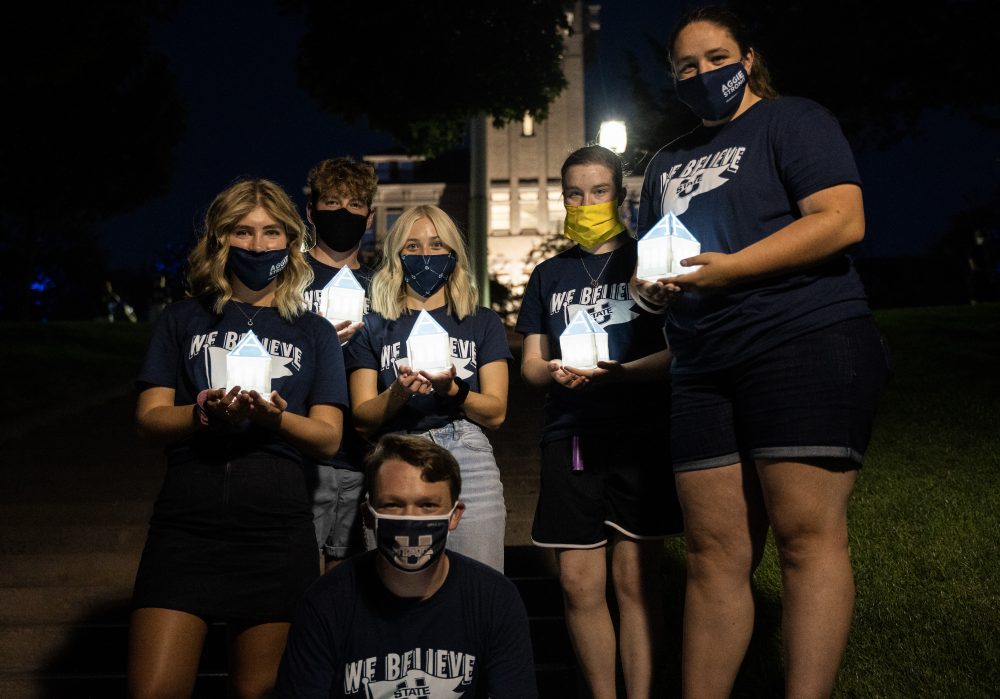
207	274
388	287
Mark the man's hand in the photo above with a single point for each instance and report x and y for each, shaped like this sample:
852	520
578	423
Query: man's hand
566	376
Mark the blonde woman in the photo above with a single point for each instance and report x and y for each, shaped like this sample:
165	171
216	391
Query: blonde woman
425	268
231	535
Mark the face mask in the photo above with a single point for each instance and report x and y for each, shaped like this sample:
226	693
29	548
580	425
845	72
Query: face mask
256	269
411	544
592	225
716	94
339	228
425	274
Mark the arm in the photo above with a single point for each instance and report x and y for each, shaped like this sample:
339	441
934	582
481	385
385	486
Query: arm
488	407
832	220
539	369
160	423
652	367
317	435
373	409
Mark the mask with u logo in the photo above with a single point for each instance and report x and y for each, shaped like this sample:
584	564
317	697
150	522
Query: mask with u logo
594	224
411	543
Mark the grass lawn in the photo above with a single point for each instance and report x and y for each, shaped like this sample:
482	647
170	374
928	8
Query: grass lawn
49	363
925	526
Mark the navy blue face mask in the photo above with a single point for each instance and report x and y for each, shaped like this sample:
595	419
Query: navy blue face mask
256	269
716	94
425	274
411	544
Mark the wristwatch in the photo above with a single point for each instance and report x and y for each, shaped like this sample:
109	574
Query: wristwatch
455	400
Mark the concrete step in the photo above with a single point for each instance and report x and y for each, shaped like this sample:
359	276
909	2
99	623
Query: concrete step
31	606
80	538
68	570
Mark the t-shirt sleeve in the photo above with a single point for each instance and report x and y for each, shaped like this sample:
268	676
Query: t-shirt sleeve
510	668
329	384
163	356
649	202
494	346
307	668
811	154
531	317
360	352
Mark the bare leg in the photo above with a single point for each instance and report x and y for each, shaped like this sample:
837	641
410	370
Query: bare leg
164	647
808	510
331	562
583	576
635	567
725	530
254	653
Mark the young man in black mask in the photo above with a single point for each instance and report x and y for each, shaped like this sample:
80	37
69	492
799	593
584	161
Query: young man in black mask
409	619
340	211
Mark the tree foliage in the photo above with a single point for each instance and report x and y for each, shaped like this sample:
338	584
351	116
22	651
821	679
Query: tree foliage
876	65
420	70
92	117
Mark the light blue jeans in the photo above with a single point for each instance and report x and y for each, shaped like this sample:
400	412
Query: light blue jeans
480	533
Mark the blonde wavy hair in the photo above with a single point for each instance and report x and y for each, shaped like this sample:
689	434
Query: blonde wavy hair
388	288
207	274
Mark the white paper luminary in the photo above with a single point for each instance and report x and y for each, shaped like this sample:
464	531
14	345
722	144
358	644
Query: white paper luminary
663	247
584	342
343	298
249	367
428	348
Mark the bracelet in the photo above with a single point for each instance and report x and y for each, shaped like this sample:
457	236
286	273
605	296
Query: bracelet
455	400
405	397
204	417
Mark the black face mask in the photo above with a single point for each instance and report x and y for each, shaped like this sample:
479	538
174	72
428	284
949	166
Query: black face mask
256	269
339	228
716	94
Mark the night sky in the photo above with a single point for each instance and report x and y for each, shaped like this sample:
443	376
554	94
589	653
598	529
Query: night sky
247	116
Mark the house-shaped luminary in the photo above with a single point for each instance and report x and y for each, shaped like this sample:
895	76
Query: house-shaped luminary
584	342
343	298
428	348
249	366
663	247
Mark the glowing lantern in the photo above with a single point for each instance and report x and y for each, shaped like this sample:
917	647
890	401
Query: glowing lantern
663	247
428	348
343	298
584	342
249	366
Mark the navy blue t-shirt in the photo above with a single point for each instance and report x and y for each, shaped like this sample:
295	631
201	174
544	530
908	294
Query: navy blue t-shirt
476	340
557	289
187	352
732	186
352	447
351	637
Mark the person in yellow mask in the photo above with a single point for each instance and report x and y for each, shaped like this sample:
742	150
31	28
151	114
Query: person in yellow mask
606	480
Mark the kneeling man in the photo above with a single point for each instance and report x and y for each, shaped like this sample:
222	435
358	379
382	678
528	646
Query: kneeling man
409	619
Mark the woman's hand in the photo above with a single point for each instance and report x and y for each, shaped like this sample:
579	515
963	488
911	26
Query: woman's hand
662	292
412	382
566	376
266	413
443	382
232	408
718	271
606	372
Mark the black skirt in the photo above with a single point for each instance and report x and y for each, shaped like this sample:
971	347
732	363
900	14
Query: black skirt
232	540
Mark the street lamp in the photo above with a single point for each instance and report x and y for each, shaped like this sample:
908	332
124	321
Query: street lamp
612	136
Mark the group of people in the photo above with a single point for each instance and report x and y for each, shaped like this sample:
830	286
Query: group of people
348	527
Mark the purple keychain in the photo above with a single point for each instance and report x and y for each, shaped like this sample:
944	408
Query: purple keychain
577	456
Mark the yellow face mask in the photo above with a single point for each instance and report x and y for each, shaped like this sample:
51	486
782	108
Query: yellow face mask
592	225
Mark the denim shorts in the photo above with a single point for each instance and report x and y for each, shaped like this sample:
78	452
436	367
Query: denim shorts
812	397
336	496
480	533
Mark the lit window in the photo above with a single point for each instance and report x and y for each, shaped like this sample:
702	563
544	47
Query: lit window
555	195
528	125
528	196
557	215
500	217
500	196
529	215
